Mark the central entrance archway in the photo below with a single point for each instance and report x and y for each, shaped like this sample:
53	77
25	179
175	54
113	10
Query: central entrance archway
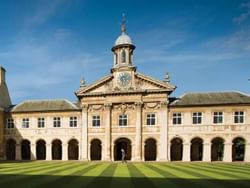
122	143
25	150
40	150
96	150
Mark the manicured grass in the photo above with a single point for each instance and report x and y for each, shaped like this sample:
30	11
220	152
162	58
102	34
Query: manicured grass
124	175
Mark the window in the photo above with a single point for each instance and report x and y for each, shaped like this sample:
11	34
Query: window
40	122
218	117
57	122
151	119
73	122
10	123
123	56
96	122
197	118
176	118
239	117
123	120
25	123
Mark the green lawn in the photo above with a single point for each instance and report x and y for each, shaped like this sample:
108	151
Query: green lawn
123	175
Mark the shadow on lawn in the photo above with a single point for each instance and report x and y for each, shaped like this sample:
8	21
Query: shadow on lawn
20	181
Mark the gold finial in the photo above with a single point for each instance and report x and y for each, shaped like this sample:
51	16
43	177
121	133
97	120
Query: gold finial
123	27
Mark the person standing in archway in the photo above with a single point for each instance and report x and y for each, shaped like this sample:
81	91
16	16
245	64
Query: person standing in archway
123	155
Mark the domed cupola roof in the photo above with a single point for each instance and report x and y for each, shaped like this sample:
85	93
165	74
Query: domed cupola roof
123	38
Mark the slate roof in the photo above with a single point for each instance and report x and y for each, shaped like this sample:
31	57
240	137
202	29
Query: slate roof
45	105
213	98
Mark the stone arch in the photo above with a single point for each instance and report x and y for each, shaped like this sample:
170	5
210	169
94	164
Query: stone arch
25	150
56	149
73	149
11	149
196	149
176	149
150	149
238	149
122	143
217	149
96	150
41	150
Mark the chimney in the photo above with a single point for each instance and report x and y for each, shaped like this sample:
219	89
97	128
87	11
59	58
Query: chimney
2	75
5	100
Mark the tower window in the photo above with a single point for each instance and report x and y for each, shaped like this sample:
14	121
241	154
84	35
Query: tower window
96	122
123	56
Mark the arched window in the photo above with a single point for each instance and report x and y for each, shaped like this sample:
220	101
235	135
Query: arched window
123	56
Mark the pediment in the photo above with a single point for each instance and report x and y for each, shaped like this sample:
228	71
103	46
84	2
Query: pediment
141	84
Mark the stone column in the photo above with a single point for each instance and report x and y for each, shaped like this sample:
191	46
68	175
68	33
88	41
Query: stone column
206	156
48	152
18	152
33	151
64	152
163	117
227	155
84	132
107	124
138	132
186	152
247	152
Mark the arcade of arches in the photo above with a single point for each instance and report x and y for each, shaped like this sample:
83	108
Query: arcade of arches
177	149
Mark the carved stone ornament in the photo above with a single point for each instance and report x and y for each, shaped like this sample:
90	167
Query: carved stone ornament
95	107
152	105
124	107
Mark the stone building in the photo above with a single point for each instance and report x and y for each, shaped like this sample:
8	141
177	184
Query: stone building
131	111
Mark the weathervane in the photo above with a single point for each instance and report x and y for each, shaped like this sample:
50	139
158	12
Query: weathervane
123	27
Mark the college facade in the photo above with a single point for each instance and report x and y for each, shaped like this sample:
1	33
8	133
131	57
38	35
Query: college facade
131	111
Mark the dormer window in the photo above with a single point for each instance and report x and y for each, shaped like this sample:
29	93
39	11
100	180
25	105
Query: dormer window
123	56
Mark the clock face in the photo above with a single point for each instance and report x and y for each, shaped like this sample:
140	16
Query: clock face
124	79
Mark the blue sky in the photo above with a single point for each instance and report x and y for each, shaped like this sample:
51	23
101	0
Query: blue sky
48	46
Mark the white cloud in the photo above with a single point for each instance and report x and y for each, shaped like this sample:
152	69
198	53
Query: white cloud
243	16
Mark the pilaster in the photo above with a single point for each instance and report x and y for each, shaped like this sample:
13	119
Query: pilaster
247	152
18	152
48	152
163	117
33	151
64	152
227	156
206	152
107	109
186	152
138	136
84	132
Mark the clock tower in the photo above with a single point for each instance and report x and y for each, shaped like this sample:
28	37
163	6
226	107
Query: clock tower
123	69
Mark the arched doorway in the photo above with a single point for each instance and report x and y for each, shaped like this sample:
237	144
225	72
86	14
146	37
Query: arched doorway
150	150
40	150
238	149
176	149
11	149
96	150
57	150
73	151
196	149
122	143
217	149
25	150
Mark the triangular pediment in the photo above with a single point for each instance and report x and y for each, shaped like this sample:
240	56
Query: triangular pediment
140	84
